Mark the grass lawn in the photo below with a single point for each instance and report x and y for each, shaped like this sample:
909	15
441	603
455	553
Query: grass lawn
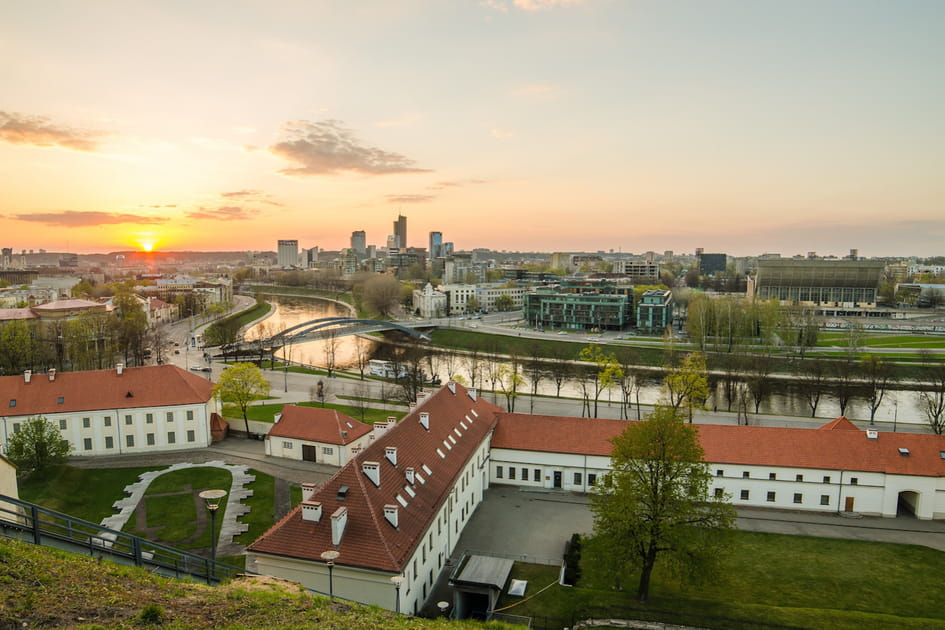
177	512
265	413
80	492
789	580
883	340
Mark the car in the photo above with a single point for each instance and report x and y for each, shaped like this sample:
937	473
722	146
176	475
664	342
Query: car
562	332
205	369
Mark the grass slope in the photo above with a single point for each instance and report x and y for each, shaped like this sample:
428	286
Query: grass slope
40	587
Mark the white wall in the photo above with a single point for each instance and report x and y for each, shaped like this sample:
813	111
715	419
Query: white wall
291	448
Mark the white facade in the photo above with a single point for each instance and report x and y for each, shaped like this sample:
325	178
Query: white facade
8	486
457	296
325	452
429	302
288	253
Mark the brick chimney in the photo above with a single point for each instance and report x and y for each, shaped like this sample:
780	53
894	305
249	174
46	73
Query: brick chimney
338	521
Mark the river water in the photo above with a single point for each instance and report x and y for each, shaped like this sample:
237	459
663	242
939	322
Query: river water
901	406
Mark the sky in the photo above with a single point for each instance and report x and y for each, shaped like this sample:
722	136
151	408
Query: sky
742	127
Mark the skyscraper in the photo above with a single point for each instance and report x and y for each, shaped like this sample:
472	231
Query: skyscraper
359	243
288	253
400	230
436	245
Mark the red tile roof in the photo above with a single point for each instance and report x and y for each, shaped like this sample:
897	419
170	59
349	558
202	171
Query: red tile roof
59	305
7	314
369	540
318	425
150	386
833	447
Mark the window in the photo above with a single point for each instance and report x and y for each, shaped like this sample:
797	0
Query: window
149	418
577	479
536	474
744	495
498	472
191	436
511	472
128	419
64	443
109	442
745	474
719	492
524	474
16	427
129	440
854	481
719	473
190	414
772	476
287	445
108	421
60	400
87	444
62	425
825	499
826	478
86	423
770	497
170	416
798	497
592	479
13	402
150	439
328	450
171	438
799	478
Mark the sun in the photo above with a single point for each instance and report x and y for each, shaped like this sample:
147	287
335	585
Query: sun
147	241
147	245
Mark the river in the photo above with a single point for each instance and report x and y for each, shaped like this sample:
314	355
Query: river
900	406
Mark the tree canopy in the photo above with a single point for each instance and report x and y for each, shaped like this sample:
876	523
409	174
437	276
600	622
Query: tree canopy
242	383
37	446
655	503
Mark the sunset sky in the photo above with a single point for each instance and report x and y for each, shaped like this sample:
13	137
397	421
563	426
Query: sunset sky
742	127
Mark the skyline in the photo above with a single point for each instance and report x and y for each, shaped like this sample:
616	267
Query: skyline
525	125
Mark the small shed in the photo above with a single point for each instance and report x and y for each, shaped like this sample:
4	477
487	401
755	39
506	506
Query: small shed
477	583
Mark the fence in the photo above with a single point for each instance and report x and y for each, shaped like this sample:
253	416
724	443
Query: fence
43	526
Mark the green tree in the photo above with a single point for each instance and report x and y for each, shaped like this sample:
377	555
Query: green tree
472	304
655	503
242	383
504	303
131	326
37	446
608	371
17	346
687	383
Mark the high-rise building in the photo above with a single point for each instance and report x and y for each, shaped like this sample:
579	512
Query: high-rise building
288	253
359	243
400	230
436	245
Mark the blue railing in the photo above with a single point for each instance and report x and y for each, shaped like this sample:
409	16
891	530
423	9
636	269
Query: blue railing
43	526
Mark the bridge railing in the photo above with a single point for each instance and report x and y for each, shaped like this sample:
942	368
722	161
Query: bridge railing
43	526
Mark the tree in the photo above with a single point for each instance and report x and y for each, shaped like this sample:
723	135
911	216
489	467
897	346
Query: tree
37	446
472	304
812	381
608	372
504	302
131	327
509	382
687	383
362	354
760	366
844	381
381	294
877	372
932	401
330	344
242	383
655	503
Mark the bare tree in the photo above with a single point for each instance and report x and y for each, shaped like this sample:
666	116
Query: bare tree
561	369
330	345
844	379
361	354
932	400
760	367
878	374
448	358
382	294
534	371
812	381
473	366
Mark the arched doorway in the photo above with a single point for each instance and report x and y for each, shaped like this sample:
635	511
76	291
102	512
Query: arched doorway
908	503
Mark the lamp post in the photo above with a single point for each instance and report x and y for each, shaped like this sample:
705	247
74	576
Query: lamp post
329	557
397	580
212	499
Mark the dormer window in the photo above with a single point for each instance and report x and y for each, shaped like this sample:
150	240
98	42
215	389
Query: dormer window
904	451
61	400
13	402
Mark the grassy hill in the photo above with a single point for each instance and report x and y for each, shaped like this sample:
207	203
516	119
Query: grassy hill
40	587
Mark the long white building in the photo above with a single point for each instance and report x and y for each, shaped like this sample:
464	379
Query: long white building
110	412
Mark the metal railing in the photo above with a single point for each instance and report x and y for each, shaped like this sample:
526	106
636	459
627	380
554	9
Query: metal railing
43	526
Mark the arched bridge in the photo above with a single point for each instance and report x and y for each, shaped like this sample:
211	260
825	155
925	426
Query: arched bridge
324	328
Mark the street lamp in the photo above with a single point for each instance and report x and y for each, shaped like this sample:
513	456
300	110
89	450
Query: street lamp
329	557
212	499
397	580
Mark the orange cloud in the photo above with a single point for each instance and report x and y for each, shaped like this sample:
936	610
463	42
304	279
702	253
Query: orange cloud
39	131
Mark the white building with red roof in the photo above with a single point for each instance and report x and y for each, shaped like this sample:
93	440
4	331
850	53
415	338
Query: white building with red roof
314	434
111	412
836	468
396	510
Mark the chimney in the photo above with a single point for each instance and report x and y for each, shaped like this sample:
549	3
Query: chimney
120	368
338	521
390	513
413	404
311	511
472	392
276	418
391	420
373	472
409	475
52	374
391	453
452	386
308	489
27	375
425	419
